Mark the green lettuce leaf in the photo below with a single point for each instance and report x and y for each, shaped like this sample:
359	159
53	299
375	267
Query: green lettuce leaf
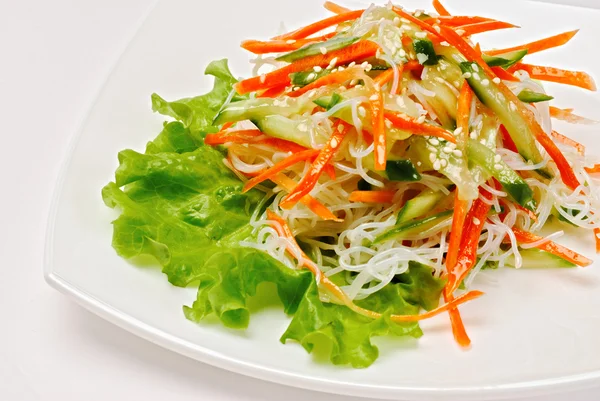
180	205
197	113
348	334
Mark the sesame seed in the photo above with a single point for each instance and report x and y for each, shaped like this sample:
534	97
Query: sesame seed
361	111
369	66
377	87
378	53
434	142
343	88
496	80
475	67
397	21
334	70
460	32
323	50
291	41
497	158
406	27
419	164
388	123
405	20
485	82
295	88
498	167
452	145
421	119
439	79
311	92
353	82
373	98
340	68
437	165
513	106
421	35
311	76
432	157
457	153
317	69
263	78
476	221
402	53
364	64
476	77
437	28
444	162
418	13
473	135
458	131
352	64
446	149
467	75
444	43
334	142
340	128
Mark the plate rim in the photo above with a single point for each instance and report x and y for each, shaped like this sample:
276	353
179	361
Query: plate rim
205	355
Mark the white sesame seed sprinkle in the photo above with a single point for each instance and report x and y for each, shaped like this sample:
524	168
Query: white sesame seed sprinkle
373	98
485	82
457	153
432	157
467	75
421	35
476	221
437	165
317	69
444	162
263	78
460	32
496	80
361	111
458	131
498	167
340	128
446	149
497	158
434	142
323	50
334	142
475	67
291	41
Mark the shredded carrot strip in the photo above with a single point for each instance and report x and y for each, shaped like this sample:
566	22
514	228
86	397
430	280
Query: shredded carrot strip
504	75
458	327
551	74
372	196
538	46
384	77
251	136
487	26
278	46
457	20
337	77
594	169
441	10
468	248
335	8
330	171
273	92
282	165
355	52
308	182
465	100
294	249
314	205
320	25
405	122
570	142
376	104
568	116
227	125
507	141
597	239
552	247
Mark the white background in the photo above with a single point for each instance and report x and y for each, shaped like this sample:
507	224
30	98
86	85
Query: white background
54	56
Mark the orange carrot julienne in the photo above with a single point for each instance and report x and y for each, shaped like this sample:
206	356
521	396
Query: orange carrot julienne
465	48
282	165
570	142
441	10
405	122
465	99
278	46
273	92
372	196
376	105
458	220
320	25
421	24
457	20
481	27
504	75
568	116
594	169
384	77
252	136
458	327
227	125
552	247
308	182
330	171
551	74
335	8
355	52
597	239
507	141
294	249
538	46
314	205
337	77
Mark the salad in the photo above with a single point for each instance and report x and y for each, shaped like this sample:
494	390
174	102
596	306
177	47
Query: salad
374	163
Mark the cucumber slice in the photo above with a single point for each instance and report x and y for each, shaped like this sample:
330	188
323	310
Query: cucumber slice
304	78
419	206
529	96
516	124
510	180
534	258
401	170
315	48
286	128
253	109
425	52
414	228
505	60
328	102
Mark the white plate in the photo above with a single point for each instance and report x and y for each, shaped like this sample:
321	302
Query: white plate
534	332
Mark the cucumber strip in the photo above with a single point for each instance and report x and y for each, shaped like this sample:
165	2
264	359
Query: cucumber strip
258	108
413	228
512	183
505	60
534	258
425	52
419	205
285	128
328	102
489	94
304	78
316	48
402	170
529	96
